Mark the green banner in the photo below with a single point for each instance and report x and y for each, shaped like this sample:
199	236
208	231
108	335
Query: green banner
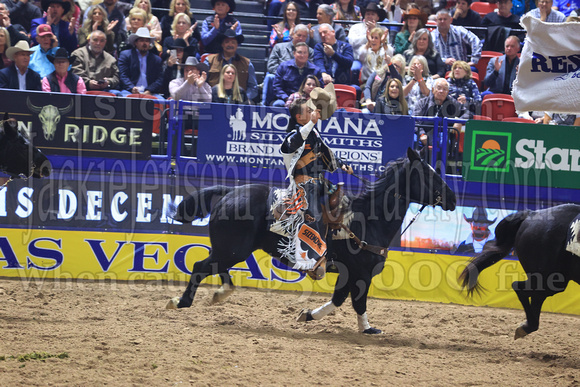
522	154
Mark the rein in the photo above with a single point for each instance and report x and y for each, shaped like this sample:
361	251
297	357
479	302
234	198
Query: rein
438	199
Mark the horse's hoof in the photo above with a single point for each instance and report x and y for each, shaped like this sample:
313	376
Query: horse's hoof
372	331
305	315
172	304
520	332
222	293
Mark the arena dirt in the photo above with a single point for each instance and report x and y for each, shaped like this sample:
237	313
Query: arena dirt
120	334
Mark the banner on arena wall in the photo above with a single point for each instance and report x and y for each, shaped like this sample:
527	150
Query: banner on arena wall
548	77
523	154
84	125
251	135
67	255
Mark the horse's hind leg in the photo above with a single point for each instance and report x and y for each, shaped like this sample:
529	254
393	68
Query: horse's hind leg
532	301
225	290
340	294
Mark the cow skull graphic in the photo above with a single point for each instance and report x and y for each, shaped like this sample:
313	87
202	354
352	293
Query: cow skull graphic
49	116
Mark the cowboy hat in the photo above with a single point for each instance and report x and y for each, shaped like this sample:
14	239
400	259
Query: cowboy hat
372	6
61	53
229	33
192	61
479	216
46	3
323	99
231	3
22	45
178	43
415	12
142	32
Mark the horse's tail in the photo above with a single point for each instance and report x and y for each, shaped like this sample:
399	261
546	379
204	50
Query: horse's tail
199	204
493	252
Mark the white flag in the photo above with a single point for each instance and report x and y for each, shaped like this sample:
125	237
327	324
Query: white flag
548	78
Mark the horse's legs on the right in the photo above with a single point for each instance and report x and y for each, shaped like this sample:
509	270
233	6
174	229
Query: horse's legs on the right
532	308
225	290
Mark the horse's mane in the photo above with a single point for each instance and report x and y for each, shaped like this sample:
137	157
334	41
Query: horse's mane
384	180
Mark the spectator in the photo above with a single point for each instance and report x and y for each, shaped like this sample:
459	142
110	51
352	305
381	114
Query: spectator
567	7
15	32
214	27
65	33
181	29
501	73
463	88
178	53
377	82
503	17
413	21
357	36
439	104
418	82
137	19
245	72
61	80
375	53
73	16
393	100
454	42
22	12
324	15
423	45
464	15
114	13
47	45
282	32
333	57
176	7
346	10
282	52
559	119
228	89
97	20
192	86
96	67
292	73
18	76
545	13
400	64
306	9
308	84
4	45
151	21
140	70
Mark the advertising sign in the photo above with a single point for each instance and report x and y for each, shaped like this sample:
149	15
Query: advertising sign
522	154
85	125
251	135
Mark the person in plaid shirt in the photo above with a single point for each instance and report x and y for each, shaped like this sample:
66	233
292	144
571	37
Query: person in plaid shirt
453	42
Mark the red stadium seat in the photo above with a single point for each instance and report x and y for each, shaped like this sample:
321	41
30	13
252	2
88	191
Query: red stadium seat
156	110
498	106
353	110
99	92
345	96
518	119
481	65
483	8
481	118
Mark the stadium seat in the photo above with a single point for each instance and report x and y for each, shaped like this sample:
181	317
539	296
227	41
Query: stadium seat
481	118
481	65
158	108
483	8
498	106
518	119
353	110
345	96
100	92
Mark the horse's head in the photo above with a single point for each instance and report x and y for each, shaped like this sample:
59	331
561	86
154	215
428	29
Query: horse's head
18	158
425	186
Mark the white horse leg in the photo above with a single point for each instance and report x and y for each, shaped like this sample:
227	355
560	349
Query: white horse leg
172	304
364	326
316	314
222	293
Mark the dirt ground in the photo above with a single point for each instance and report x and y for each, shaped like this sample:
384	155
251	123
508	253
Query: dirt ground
120	334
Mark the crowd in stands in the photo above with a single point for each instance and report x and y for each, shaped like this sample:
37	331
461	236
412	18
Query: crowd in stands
401	57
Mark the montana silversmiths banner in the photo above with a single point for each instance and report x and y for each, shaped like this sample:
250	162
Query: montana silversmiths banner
522	154
548	77
251	135
84	125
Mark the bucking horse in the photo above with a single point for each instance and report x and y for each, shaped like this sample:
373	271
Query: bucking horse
238	226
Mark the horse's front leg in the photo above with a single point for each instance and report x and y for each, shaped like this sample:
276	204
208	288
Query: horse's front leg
359	292
225	290
341	291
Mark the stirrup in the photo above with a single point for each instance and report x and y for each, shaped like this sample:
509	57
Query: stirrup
319	270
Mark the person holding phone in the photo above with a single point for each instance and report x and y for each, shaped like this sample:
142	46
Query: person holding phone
47	45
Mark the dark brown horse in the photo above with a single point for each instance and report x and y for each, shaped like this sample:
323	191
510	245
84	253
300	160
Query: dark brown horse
238	226
539	240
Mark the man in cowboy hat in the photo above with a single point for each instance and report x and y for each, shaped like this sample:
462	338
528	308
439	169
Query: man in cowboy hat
19	76
97	68
228	54
192	86
47	45
61	80
480	232
63	31
140	71
357	36
22	12
213	27
306	156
